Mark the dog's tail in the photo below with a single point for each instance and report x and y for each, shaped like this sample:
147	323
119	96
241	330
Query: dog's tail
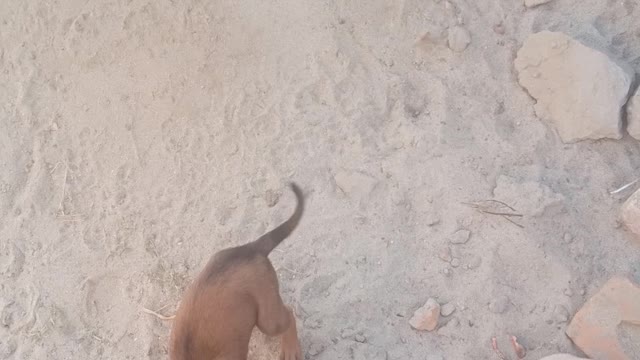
267	242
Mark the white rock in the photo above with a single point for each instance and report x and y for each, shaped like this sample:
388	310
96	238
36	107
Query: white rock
577	88
426	317
460	237
533	3
630	213
633	115
458	38
447	309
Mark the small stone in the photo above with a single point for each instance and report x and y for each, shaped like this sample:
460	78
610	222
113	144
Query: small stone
54	126
568	292
446	271
458	38
455	263
426	317
534	3
560	314
360	338
499	305
445	254
460	237
271	198
499	29
447	309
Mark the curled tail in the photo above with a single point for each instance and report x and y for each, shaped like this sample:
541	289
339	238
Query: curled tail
267	242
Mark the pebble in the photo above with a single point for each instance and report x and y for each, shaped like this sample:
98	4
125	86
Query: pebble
446	271
458	38
447	309
455	263
568	292
560	314
460	237
360	338
445	254
426	317
499	305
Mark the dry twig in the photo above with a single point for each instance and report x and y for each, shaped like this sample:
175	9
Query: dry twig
159	316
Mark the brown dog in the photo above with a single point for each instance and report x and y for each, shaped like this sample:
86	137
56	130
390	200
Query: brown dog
237	290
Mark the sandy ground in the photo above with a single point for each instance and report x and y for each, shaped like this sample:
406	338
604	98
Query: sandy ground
138	137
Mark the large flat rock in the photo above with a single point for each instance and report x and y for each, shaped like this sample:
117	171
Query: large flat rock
580	90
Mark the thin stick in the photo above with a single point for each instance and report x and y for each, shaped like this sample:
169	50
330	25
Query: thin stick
159	316
623	187
500	213
513	222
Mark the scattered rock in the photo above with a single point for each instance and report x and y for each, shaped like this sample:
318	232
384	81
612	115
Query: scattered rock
426	317
560	314
446	271
458	38
560	73
271	198
460	237
499	29
445	254
633	115
562	357
447	309
534	3
631	213
499	305
595	327
360	338
568	292
455	262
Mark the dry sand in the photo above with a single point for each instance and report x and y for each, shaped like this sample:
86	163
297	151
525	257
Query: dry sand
138	137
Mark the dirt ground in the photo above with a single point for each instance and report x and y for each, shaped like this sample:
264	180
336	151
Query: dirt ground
138	137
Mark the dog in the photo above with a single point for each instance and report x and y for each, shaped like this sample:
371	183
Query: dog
237	290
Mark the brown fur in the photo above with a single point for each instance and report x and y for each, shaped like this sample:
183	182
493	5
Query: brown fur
237	290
